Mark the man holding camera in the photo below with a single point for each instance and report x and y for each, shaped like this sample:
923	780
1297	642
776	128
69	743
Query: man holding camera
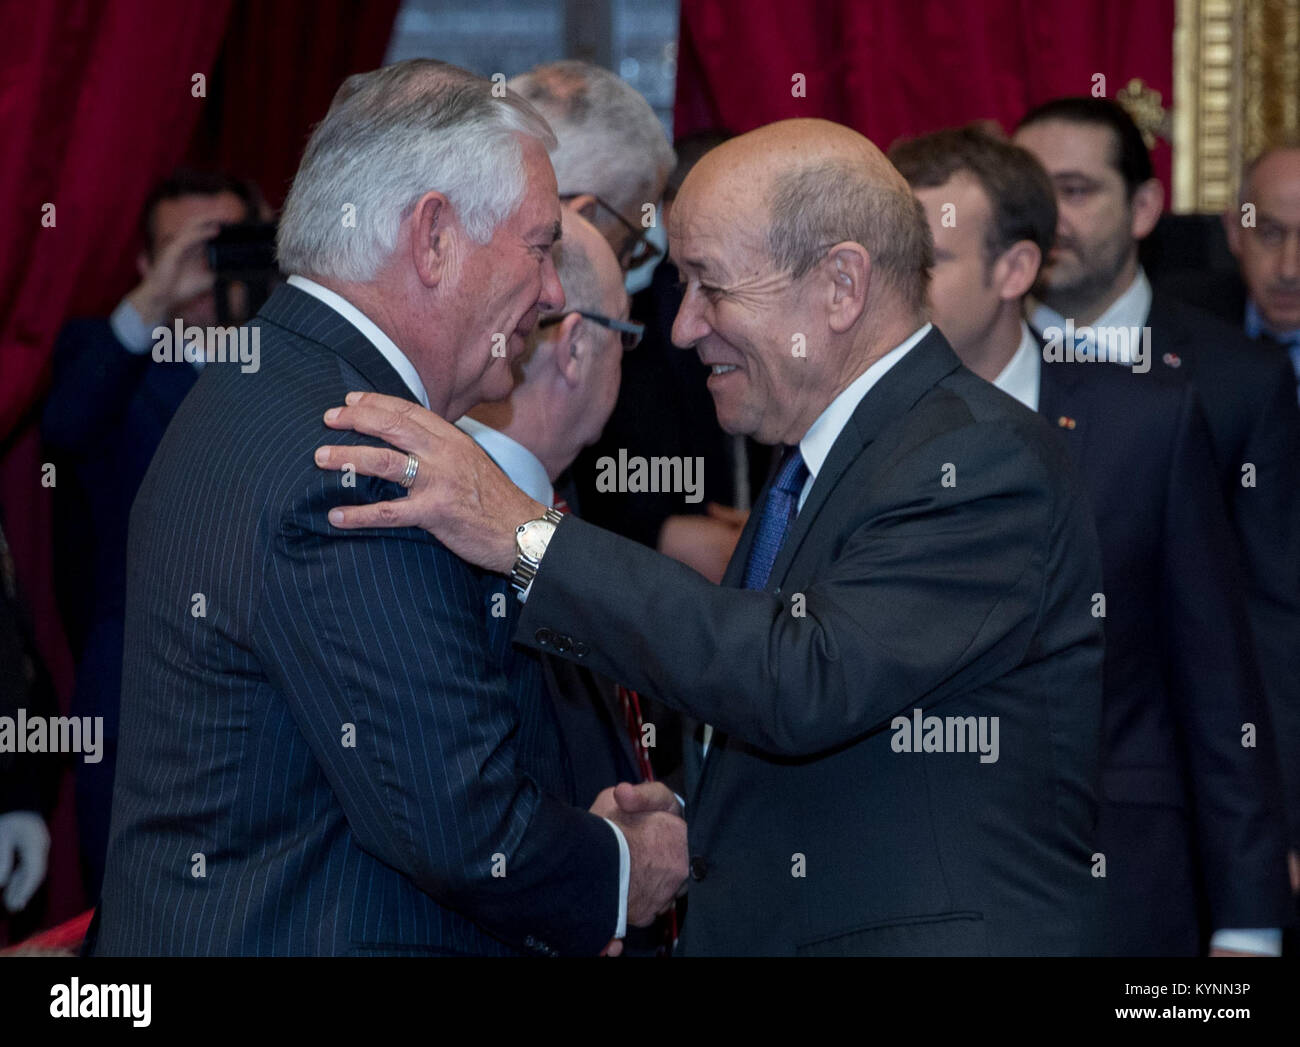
109	404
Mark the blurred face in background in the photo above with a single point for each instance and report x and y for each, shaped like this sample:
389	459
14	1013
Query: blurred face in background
964	300
1098	226
1269	253
171	218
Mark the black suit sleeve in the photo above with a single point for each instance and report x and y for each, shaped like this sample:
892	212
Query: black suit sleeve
936	590
431	785
1217	691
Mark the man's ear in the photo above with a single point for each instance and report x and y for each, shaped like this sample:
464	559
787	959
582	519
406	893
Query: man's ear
584	204
1148	201
570	350
1016	269
432	240
849	267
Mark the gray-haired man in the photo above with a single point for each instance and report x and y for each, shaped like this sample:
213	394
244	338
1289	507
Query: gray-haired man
327	746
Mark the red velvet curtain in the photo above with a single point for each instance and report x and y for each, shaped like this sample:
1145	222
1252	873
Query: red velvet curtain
275	77
894	68
97	102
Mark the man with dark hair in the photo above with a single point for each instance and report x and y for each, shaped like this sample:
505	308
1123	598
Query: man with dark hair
1180	676
1107	203
107	409
921	564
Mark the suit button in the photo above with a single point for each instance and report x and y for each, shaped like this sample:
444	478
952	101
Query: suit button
543	636
563	643
581	649
699	868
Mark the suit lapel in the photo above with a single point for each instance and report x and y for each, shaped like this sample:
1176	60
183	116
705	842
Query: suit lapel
902	386
888	400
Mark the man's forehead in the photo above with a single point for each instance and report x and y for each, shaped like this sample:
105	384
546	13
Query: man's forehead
714	230
1065	144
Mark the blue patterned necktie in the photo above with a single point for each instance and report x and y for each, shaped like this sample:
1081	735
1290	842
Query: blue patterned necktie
778	512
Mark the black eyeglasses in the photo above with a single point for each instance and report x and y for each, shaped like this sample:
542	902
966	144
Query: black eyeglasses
629	333
637	251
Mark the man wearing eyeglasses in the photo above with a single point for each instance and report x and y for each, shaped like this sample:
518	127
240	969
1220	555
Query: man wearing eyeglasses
566	383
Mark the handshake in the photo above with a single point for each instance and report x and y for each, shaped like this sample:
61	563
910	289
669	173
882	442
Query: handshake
652	822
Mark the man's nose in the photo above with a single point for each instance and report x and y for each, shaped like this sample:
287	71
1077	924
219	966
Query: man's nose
689	326
552	296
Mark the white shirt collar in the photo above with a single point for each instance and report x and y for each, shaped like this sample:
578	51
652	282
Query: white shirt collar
821	435
524	468
386	346
1128	311
1020	376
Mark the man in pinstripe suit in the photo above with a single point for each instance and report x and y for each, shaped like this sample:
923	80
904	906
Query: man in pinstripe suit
328	746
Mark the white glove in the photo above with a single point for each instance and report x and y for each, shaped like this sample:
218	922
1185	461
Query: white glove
24	850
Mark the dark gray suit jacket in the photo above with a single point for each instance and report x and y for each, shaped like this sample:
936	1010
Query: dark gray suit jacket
344	735
810	833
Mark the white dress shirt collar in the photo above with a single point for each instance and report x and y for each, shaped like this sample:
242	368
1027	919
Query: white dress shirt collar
821	435
1128	311
523	467
386	346
1021	375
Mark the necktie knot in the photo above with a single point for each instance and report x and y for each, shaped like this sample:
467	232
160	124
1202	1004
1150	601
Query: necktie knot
793	472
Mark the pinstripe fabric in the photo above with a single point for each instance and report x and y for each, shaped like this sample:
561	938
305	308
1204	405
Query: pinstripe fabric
235	723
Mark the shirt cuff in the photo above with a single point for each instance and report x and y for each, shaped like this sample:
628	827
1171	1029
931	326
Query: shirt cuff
624	878
1265	941
129	328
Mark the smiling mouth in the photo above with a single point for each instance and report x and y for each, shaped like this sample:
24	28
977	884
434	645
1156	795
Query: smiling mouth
723	368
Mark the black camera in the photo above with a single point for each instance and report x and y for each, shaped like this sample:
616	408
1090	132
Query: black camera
242	257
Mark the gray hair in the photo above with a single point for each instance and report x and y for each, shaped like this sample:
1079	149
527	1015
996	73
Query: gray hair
389	137
816	206
610	142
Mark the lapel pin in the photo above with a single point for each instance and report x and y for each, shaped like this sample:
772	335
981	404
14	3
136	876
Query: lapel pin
1172	360
1066	423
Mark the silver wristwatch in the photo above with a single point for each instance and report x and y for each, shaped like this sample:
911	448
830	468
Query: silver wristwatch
531	539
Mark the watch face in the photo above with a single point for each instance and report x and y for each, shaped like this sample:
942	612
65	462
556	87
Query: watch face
532	537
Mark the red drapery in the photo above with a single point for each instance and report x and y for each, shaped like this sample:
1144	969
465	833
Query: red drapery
895	68
97	102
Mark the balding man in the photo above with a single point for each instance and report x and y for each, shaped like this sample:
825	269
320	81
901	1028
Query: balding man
1263	230
568	379
1269	249
902	667
327	746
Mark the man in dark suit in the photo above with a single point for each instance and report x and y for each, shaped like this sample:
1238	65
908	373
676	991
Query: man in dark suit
328	745
108	407
1189	819
1263	233
902	670
1108	200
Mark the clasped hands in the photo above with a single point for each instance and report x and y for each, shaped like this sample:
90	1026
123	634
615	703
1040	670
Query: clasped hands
652	822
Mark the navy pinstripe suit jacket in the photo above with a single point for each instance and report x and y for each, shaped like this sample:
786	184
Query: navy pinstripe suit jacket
328	744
